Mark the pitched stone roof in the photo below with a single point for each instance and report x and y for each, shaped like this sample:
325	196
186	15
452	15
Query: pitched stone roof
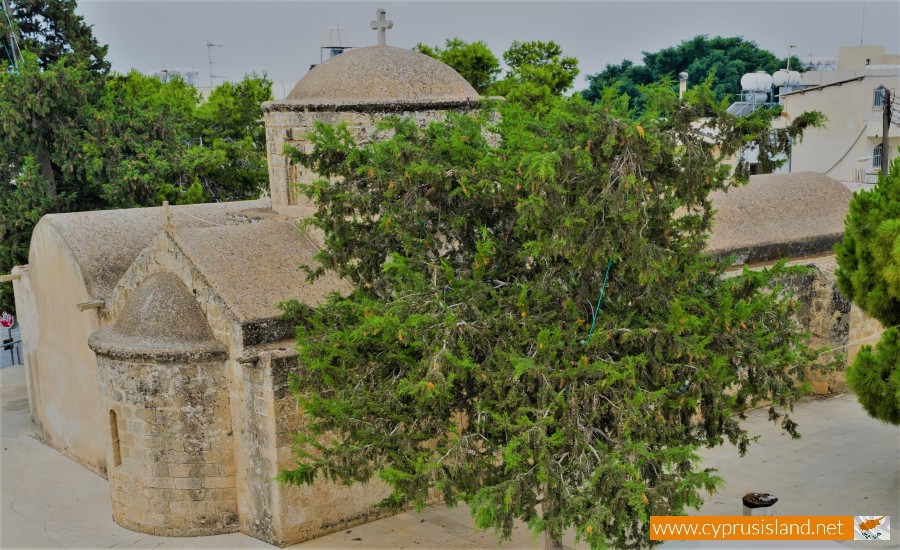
380	75
779	216
161	319
254	266
104	243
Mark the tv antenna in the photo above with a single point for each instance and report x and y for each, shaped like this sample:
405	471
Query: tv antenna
209	46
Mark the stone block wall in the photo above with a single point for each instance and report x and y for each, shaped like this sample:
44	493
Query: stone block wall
268	418
171	464
292	126
864	331
324	507
826	315
253	419
834	324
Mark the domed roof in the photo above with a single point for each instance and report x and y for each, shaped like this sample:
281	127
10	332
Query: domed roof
382	75
161	319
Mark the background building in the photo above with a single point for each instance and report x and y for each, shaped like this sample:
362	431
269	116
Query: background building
849	148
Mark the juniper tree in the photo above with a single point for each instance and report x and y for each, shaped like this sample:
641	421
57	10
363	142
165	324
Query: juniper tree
869	274
534	328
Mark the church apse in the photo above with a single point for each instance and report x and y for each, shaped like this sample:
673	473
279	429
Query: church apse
171	464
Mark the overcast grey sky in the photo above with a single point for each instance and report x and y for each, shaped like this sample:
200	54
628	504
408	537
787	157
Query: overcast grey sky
282	38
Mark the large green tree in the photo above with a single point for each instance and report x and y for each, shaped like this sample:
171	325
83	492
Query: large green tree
76	138
474	61
534	327
134	154
869	274
725	60
537	72
178	147
43	114
228	138
52	30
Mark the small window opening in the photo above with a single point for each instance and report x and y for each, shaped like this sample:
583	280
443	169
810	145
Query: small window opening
114	433
876	157
878	98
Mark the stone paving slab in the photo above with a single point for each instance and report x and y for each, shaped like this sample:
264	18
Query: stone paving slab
845	464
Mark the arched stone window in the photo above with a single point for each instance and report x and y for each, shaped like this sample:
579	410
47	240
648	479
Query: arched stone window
114	434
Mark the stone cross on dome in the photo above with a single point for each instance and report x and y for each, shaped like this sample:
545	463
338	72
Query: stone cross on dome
381	25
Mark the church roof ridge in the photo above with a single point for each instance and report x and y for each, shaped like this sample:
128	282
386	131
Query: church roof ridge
252	289
104	243
771	217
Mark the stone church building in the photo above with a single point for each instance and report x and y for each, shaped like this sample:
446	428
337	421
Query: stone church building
156	356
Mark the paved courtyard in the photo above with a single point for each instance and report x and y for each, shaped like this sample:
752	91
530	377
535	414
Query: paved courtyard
845	464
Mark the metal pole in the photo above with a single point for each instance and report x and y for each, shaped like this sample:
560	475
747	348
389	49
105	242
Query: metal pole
12	358
886	128
13	39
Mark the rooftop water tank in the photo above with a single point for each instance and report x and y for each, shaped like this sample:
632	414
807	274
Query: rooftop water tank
758	81
783	77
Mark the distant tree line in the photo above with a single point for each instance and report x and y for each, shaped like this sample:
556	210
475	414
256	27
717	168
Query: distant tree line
539	70
536	71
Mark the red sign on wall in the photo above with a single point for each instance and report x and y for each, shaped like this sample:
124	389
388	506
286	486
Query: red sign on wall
7	320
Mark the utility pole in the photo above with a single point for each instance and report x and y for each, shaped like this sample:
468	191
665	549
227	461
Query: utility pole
885	130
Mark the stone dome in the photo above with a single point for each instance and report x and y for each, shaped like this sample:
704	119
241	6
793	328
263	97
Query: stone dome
382	75
162	320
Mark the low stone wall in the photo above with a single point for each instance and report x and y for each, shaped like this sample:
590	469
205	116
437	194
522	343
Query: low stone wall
825	314
834	324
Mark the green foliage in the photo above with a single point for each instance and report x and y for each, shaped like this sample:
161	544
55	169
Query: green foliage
461	360
869	274
178	149
51	30
772	145
538	71
144	167
43	116
869	255
875	377
472	60
76	139
726	60
228	157
21	206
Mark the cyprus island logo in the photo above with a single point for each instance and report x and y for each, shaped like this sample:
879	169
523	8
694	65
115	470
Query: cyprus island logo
871	527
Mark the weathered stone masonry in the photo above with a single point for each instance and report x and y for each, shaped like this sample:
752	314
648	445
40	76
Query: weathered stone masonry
161	372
